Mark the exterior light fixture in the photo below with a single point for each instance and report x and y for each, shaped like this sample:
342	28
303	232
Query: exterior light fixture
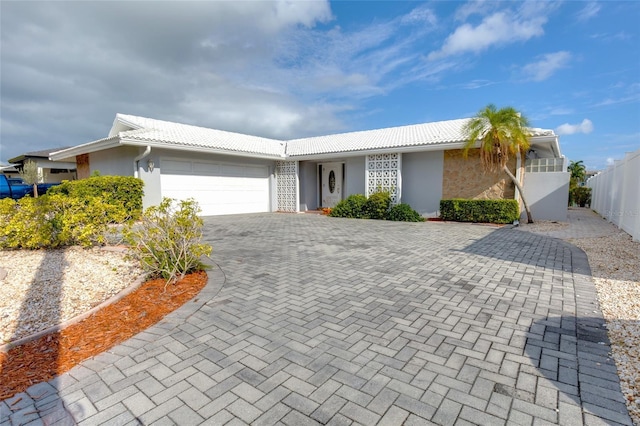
150	165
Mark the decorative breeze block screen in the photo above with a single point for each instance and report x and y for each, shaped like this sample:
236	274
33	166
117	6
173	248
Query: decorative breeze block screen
287	186
383	174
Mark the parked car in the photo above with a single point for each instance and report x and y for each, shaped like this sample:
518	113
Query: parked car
16	188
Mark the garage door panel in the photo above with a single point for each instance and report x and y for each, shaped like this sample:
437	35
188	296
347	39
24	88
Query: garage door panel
219	188
176	166
205	168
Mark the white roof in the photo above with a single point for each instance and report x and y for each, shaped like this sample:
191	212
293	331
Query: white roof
159	131
393	137
134	130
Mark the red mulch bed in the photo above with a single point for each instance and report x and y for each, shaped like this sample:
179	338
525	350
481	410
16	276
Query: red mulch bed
42	359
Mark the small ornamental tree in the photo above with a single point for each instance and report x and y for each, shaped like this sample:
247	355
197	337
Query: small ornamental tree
30	175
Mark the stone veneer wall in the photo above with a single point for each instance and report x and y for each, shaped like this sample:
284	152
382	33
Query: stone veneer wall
82	166
464	178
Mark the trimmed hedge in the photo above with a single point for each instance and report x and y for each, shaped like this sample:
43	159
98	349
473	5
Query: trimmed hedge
124	192
484	211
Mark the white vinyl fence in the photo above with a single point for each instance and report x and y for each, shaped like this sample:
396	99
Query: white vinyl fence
615	193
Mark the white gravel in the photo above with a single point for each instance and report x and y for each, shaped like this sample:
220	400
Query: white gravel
615	267
43	288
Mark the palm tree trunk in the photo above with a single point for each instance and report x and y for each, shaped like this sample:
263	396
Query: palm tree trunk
517	184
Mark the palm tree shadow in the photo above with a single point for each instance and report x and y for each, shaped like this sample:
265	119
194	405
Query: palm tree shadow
568	346
25	362
573	355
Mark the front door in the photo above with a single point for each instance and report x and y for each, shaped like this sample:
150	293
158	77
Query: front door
331	184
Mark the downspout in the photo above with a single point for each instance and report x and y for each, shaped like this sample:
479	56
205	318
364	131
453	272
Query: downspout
136	160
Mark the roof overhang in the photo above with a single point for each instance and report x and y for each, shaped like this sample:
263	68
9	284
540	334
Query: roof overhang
549	140
361	152
71	153
203	149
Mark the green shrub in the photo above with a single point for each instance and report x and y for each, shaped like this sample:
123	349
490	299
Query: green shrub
54	220
352	207
377	205
167	242
581	195
81	221
404	213
26	223
124	192
484	211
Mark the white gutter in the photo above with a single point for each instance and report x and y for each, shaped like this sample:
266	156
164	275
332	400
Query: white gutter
138	158
368	151
86	148
206	150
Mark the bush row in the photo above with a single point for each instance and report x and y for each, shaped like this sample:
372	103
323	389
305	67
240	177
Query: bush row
54	220
485	211
124	192
377	206
73	213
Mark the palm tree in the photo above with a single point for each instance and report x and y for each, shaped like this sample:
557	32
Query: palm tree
501	132
578	171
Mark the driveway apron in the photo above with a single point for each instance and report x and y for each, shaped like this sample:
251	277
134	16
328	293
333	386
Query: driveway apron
314	320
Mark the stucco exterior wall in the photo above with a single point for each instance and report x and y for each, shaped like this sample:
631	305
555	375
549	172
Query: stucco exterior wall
547	195
308	172
422	181
115	161
354	176
464	178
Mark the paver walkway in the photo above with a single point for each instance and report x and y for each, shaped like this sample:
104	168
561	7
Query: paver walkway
316	320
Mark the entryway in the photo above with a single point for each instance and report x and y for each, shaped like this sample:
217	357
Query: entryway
331	183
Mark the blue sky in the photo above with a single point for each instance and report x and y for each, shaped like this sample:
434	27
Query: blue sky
295	69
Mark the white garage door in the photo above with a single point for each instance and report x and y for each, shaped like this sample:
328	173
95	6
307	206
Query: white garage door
219	188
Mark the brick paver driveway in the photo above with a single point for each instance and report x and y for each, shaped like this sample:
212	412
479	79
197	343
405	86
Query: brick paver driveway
338	321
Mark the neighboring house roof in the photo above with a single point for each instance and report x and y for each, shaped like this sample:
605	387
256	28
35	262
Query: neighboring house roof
133	130
44	154
8	168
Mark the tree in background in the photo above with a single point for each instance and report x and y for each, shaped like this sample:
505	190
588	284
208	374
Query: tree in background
30	175
501	132
578	171
577	192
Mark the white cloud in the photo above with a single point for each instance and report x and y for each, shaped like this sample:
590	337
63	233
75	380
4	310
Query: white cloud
591	10
474	7
499	28
610	161
265	68
569	129
546	65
